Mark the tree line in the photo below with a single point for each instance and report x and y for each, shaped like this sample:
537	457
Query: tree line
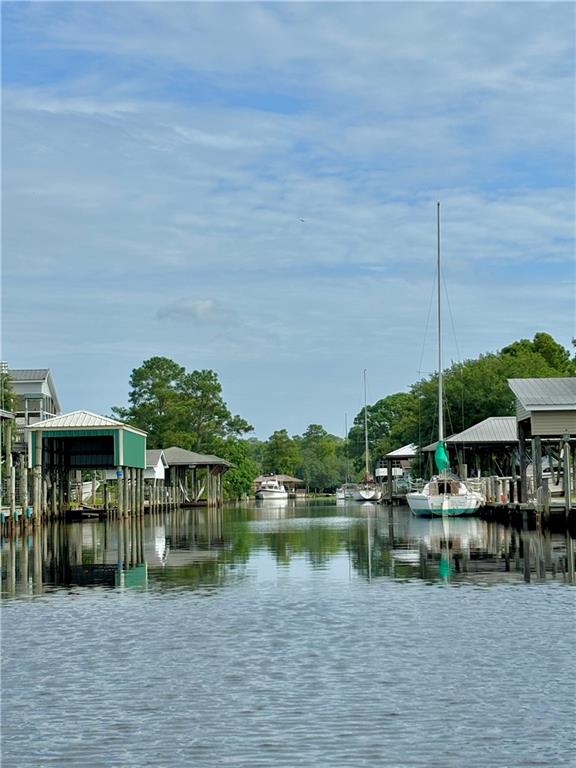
176	407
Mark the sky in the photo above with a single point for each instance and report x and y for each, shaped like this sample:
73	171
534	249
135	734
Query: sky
252	188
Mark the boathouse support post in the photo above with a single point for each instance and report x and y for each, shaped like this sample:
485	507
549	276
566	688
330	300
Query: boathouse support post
537	462
130	474
12	479
132	509
38	477
138	491
23	481
120	490
390	486
567	477
54	500
523	495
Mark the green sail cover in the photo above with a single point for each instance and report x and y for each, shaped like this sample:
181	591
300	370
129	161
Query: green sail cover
441	457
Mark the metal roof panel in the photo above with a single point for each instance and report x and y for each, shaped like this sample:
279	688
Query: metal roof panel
81	420
28	374
548	394
406	452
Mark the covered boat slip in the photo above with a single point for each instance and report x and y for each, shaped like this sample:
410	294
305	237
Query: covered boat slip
196	477
61	448
84	464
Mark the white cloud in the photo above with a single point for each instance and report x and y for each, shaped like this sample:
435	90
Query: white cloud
202	310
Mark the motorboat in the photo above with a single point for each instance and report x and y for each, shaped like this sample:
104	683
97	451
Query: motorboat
271	488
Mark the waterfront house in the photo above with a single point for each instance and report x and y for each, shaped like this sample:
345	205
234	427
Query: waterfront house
35	395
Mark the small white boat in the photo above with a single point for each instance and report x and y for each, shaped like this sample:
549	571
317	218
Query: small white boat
271	488
346	491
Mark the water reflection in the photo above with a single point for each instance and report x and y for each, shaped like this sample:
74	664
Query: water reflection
207	548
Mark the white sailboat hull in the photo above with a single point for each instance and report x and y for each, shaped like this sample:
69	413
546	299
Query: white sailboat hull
367	494
451	505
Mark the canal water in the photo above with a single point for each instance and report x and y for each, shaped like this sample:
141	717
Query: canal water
299	634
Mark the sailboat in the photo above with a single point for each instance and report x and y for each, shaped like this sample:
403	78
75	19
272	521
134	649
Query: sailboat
346	491
445	494
367	490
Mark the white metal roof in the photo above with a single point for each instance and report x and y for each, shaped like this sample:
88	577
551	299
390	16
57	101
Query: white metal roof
406	452
81	420
553	394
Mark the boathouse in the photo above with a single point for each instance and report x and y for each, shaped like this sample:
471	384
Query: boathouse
489	447
392	467
78	441
196	477
546	424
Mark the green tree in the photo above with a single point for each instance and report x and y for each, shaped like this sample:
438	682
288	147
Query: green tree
179	408
387	419
321	466
477	389
239	478
281	454
255	450
7	394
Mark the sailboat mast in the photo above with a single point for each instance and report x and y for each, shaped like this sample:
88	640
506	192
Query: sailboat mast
346	447
440	380
366	427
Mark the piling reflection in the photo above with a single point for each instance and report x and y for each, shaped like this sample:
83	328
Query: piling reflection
210	548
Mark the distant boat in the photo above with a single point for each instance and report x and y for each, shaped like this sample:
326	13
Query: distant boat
445	494
346	491
271	488
368	490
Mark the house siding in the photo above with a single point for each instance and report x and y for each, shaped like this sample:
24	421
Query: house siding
553	423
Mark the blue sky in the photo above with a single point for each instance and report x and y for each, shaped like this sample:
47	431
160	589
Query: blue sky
252	187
